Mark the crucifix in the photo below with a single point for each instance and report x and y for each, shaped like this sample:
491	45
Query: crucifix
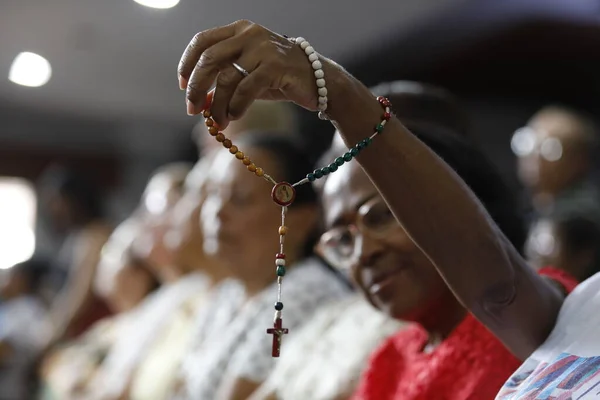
277	331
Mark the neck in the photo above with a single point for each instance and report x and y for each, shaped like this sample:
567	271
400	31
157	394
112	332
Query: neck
442	318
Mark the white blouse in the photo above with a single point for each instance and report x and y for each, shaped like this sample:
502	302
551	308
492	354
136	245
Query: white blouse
240	347
567	365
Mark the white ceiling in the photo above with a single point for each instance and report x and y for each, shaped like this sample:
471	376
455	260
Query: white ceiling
115	58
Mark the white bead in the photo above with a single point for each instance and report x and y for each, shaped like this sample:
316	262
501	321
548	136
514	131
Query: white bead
313	57
317	65
309	50
382	123
322	91
280	262
304	45
322	107
387	110
319	74
321	82
299	40
322	100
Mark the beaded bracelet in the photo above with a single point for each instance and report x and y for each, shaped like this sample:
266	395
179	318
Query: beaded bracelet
284	193
316	64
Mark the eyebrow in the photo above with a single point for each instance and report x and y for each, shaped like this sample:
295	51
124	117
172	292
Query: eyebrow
342	219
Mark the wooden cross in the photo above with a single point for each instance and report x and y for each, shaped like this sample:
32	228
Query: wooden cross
277	331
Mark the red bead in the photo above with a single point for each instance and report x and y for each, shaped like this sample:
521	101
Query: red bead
280	256
387	116
380	99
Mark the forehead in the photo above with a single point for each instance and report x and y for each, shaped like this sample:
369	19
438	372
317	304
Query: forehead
344	192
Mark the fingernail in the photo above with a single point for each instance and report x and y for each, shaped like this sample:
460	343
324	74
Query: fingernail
182	82
190	108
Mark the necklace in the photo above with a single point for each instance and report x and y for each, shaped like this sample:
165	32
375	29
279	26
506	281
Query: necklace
283	194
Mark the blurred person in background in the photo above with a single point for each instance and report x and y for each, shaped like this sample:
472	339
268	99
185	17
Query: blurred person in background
72	206
123	282
326	358
231	356
23	328
555	163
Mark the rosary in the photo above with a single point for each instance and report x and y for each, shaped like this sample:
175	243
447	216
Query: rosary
284	193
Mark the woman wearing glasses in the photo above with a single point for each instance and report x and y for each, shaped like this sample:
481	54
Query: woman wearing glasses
447	353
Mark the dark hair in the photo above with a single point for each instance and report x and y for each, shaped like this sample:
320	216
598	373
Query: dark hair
579	234
34	271
76	189
291	156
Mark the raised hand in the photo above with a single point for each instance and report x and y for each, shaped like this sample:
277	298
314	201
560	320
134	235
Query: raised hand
277	70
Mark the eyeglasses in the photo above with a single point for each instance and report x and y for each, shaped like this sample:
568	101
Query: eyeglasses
340	246
525	142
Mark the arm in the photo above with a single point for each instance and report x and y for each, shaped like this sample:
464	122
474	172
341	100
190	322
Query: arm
433	204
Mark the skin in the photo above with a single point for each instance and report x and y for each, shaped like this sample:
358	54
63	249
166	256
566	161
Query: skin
485	272
392	273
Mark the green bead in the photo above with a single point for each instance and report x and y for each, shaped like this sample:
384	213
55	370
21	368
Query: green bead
333	167
361	145
348	157
354	151
318	173
379	128
311	177
325	171
280	270
368	141
339	161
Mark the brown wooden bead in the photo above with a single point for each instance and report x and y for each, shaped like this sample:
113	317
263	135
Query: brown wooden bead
239	155
227	143
252	168
213	130
246	161
283	230
209	122
206	113
220	137
259	172
233	149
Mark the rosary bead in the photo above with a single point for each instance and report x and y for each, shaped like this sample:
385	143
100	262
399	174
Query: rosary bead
339	161
239	155
368	141
354	151
206	113
318	173
246	161
361	145
259	172
279	306
379	128
280	270
220	138
280	255
310	177
252	168
348	157
280	262
233	149
387	116
227	143
325	171
332	167
209	122
283	230
213	130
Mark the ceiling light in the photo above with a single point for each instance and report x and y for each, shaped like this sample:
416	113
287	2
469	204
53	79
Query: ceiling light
30	69
158	3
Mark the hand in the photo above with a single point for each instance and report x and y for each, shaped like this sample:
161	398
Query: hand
279	70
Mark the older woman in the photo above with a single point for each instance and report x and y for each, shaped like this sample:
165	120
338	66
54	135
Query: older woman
430	200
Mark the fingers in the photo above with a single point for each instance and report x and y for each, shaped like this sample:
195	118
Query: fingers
198	45
248	90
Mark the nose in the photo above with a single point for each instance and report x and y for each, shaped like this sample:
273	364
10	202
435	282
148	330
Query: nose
366	250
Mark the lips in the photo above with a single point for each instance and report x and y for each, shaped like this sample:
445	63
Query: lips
383	279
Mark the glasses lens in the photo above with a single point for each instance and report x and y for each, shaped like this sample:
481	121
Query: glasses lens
337	247
377	218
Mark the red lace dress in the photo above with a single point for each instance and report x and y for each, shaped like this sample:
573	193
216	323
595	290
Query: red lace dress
470	364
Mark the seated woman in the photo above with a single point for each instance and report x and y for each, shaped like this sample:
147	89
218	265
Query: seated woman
239	223
442	223
327	357
123	282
